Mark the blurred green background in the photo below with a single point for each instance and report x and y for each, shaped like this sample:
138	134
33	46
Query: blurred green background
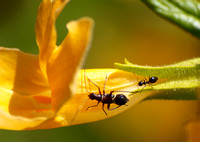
123	29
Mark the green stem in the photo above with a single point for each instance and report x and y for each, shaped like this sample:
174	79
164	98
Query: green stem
176	77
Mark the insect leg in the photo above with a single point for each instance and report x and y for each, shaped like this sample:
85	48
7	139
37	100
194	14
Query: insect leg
103	109
93	106
112	108
150	84
143	87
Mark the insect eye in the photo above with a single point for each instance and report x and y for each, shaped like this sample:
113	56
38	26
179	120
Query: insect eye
121	99
92	96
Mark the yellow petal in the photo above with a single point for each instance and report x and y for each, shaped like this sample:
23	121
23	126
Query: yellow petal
66	60
45	30
21	73
24	91
11	122
74	110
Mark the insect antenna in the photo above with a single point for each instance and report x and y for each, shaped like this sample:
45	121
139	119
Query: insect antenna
105	84
124	91
78	111
85	82
83	102
95	85
136	77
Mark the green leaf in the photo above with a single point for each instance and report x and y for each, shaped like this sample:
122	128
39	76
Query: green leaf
184	13
180	77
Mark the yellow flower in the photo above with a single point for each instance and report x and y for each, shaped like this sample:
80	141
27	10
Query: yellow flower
45	91
34	87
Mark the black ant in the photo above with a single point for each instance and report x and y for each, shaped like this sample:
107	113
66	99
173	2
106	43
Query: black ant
151	80
119	99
